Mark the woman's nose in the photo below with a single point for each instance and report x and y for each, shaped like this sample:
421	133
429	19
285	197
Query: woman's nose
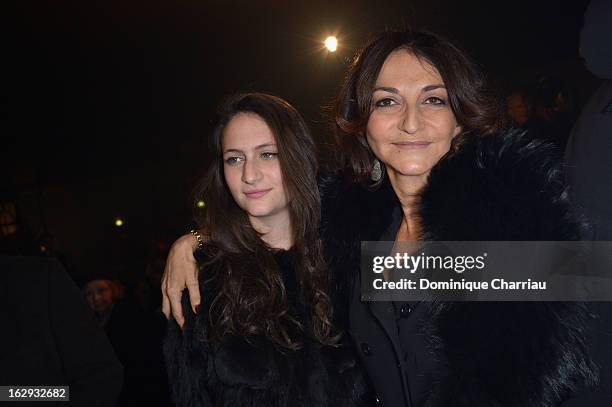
410	121
250	172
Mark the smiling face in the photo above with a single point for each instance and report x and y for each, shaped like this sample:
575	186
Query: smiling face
411	123
99	295
252	168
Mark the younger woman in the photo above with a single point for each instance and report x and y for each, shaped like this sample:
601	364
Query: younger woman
267	334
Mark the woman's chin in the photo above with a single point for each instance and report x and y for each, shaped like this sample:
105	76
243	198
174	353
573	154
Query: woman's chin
261	211
413	170
258	213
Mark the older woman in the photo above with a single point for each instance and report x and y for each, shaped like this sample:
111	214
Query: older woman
416	129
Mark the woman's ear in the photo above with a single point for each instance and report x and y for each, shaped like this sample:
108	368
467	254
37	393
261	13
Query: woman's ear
458	129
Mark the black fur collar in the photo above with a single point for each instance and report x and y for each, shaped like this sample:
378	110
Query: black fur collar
504	187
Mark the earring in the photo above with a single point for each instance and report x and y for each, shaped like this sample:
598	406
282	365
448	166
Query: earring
377	172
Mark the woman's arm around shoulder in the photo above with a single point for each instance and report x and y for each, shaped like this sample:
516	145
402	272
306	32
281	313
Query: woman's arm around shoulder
180	273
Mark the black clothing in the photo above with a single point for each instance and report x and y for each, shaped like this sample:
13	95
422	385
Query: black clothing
595	38
556	130
137	337
50	337
589	162
589	149
256	372
500	188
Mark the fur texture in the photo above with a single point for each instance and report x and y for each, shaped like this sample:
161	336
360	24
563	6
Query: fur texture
256	373
502	188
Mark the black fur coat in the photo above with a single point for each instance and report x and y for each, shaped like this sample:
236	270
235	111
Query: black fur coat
257	373
504	187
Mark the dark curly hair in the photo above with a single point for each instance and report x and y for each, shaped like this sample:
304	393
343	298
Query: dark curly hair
249	295
472	101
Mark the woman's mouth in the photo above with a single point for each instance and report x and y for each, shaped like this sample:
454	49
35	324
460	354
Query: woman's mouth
412	145
257	193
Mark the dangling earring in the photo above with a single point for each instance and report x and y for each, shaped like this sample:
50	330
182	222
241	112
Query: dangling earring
377	171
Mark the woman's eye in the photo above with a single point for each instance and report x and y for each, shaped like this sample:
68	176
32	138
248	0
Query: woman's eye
385	102
269	155
233	160
434	100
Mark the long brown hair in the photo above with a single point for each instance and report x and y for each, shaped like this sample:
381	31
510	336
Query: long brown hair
250	297
470	97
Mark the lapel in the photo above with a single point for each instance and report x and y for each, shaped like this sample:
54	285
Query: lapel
384	311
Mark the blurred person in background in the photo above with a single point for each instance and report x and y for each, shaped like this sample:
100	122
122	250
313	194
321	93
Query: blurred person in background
101	295
589	150
134	335
589	159
553	111
50	338
518	107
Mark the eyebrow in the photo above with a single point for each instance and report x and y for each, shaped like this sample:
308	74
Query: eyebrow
236	150
427	88
434	87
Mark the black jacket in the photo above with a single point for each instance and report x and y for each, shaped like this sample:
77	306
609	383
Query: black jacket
50	337
589	147
467	354
237	372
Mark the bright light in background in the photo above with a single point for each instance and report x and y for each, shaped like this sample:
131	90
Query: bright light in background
331	43
118	222
200	204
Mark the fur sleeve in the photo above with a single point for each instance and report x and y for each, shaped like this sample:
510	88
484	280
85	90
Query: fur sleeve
188	361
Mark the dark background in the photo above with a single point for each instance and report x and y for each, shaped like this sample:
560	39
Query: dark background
108	104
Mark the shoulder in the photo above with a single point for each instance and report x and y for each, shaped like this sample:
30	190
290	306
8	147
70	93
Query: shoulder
211	262
352	211
507	186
